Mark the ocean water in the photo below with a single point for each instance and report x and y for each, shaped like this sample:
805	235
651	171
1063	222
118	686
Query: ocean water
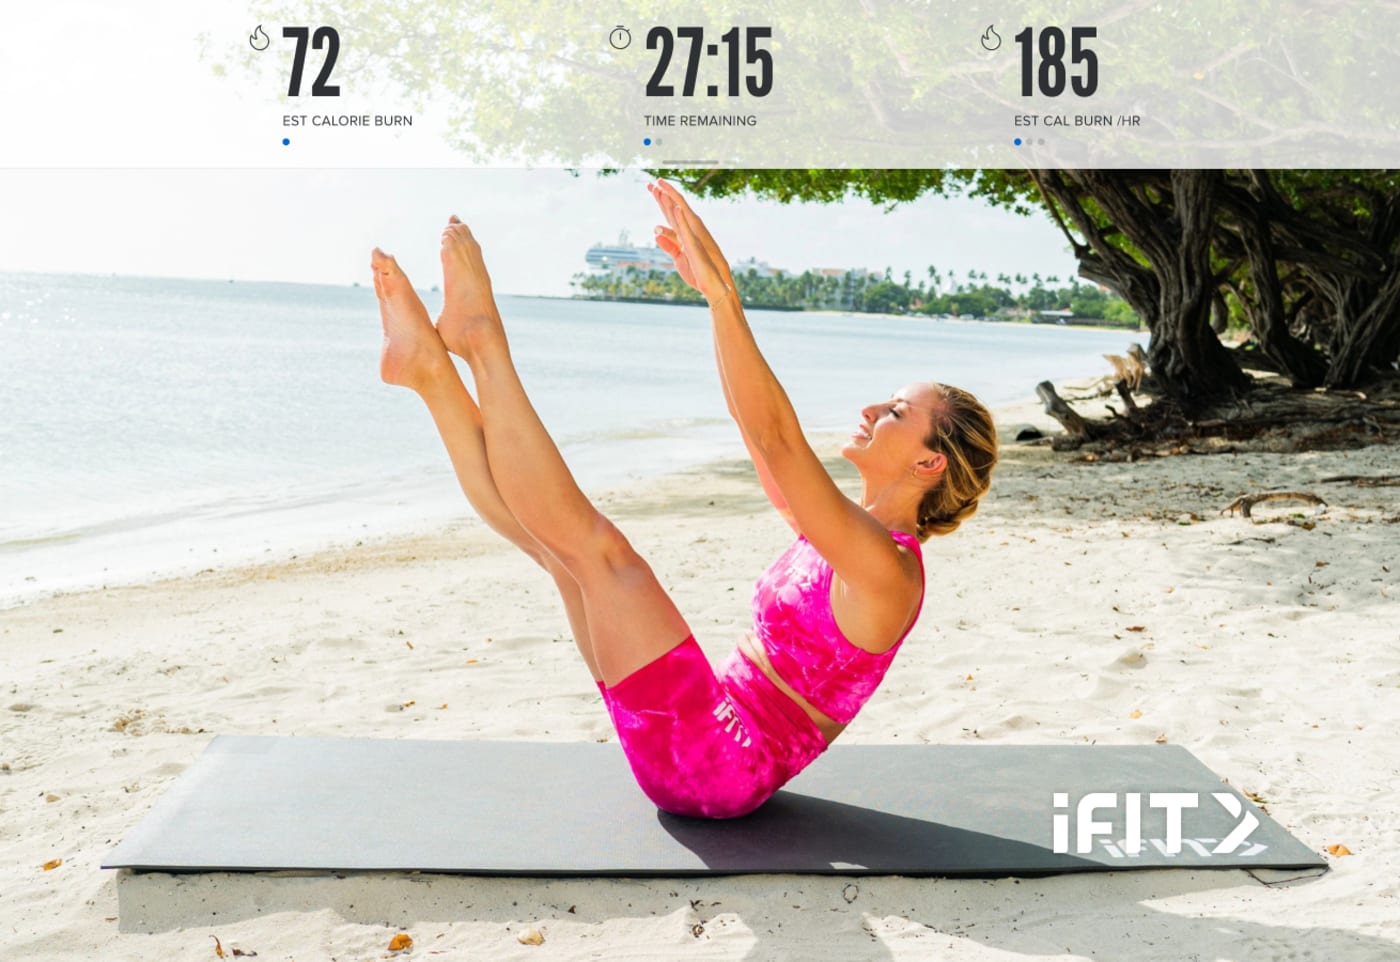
156	426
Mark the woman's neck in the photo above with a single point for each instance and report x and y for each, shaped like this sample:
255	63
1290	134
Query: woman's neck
896	506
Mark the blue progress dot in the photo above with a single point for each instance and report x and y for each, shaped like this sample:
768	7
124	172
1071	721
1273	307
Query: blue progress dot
288	140
1017	141
646	141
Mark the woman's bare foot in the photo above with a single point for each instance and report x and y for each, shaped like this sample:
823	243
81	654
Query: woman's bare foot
413	354
468	307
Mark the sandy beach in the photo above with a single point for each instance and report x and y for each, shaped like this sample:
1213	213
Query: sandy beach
1105	603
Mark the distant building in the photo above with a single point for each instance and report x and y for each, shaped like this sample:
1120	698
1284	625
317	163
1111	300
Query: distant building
761	268
855	273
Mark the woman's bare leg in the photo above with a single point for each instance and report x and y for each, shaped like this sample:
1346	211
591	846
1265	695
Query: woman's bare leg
631	619
415	357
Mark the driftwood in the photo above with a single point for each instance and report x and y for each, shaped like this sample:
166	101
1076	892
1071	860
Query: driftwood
1272	417
1125	391
1365	481
1244	503
1059	409
1128	369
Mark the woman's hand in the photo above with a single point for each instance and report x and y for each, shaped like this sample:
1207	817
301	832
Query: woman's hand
696	255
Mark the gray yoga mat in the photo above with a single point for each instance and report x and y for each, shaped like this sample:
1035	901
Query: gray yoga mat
549	809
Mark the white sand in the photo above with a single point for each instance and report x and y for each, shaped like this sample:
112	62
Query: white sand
1268	650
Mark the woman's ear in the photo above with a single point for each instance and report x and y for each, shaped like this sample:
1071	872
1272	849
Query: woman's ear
932	466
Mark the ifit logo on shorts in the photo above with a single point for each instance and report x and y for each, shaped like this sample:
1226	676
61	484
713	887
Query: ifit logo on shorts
724	714
1174	804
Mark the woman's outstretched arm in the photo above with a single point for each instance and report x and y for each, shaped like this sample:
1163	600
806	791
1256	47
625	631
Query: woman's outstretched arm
667	240
760	461
856	546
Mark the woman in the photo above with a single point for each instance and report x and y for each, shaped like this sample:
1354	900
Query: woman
829	614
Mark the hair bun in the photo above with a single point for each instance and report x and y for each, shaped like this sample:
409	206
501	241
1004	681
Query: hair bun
947	524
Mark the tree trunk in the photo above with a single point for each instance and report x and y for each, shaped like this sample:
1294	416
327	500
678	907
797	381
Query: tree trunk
1269	319
1371	340
1186	355
1169	222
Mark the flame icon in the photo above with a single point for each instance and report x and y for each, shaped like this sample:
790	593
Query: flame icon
991	40
258	39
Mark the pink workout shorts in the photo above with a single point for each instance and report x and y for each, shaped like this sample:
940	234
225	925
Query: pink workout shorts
707	746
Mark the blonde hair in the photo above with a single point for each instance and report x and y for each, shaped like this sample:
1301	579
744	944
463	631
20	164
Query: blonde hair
964	434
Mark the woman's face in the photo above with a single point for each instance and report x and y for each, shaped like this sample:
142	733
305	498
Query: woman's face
891	434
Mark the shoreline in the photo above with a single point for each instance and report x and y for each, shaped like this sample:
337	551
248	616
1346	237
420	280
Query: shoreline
833	312
451	518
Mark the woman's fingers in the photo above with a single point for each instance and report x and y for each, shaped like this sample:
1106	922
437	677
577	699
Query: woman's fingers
682	216
662	200
667	242
669	189
670	199
666	239
677	199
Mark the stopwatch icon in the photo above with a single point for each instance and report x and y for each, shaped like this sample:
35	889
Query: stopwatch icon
620	38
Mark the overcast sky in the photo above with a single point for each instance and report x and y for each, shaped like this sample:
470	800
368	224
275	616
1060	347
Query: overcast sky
535	226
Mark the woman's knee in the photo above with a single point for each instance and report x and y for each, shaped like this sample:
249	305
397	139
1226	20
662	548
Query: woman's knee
603	546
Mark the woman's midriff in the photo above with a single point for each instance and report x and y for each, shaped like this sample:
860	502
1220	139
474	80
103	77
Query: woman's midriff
753	651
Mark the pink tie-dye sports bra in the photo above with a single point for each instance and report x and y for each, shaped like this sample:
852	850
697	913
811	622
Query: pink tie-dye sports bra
793	620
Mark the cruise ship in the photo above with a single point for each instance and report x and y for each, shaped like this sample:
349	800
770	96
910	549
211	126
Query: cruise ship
624	256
